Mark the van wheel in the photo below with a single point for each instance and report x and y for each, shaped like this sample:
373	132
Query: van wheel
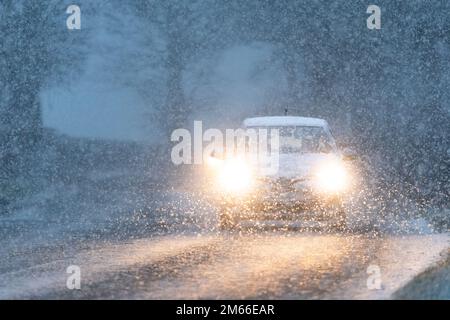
338	215
226	221
341	220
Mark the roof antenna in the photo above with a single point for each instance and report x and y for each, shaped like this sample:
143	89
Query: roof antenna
286	111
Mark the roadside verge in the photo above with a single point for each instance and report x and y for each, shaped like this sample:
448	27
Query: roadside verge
433	283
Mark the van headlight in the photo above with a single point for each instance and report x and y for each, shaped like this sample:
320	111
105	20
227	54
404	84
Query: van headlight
332	177
235	176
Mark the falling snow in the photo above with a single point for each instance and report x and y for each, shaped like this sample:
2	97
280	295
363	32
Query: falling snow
86	117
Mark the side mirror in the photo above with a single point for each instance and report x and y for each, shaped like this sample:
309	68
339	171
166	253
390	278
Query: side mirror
349	154
217	155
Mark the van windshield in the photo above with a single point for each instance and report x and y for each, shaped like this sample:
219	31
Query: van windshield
303	139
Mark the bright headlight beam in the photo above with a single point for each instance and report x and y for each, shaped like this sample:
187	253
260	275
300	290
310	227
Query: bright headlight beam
332	177
235	176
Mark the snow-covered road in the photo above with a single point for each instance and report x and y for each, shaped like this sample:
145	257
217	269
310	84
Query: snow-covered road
288	265
139	242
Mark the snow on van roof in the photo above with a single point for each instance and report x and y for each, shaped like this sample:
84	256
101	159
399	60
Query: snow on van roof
284	121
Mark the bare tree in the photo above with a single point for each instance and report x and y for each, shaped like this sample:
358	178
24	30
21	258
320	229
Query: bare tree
35	46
